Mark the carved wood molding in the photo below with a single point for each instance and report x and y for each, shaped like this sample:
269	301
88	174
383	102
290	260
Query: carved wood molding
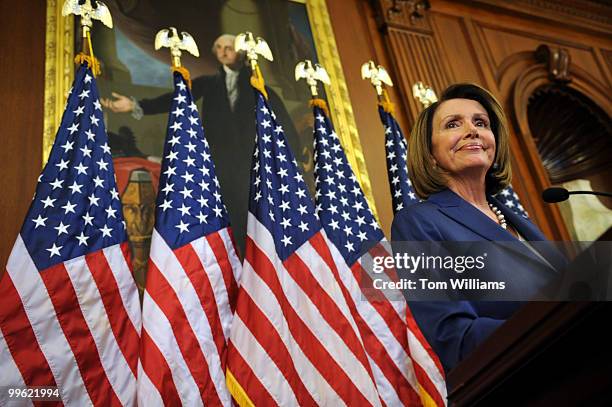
588	15
410	15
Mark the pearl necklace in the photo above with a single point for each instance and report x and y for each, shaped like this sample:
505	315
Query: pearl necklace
500	216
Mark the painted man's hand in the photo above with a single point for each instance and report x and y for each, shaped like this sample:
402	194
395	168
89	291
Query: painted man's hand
120	103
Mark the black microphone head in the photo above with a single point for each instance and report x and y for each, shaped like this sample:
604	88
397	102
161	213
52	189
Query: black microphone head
555	194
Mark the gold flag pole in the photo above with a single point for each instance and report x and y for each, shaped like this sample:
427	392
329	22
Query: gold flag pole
169	38
313	73
253	47
88	13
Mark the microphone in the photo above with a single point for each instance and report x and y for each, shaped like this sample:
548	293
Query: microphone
556	194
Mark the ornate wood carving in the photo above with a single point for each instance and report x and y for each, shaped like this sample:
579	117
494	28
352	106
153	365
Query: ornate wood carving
557	60
413	50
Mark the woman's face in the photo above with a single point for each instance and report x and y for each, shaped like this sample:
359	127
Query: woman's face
462	140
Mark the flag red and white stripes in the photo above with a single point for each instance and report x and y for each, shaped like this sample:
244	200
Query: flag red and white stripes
294	341
186	320
75	326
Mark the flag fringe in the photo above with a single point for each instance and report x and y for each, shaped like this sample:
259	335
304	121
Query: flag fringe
257	81
91	61
320	103
236	390
184	73
386	103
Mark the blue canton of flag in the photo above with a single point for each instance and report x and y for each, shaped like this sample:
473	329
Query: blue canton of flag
76	208
341	205
508	197
396	150
278	196
189	203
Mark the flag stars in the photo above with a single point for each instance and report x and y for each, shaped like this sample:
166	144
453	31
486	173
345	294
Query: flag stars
170	171
174	140
178	112
102	165
62	165
168	188
40	221
84	94
68	146
105	148
166	205
61	228
193	120
82	239
57	183
110	212
86	151
69	207
201	217
54	250
106	231
286	222
184	210
88	219
286	240
79	110
98	181
93	200
218	211
188	177
180	98
90	135
186	192
303	226
189	161
74	128
81	169
191	147
173	155
94	120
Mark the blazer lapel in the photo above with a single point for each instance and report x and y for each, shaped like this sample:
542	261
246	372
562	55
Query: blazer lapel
459	210
456	208
531	233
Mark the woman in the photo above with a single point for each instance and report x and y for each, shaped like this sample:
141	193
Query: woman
459	158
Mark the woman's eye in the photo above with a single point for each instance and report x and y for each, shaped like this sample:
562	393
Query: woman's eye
452	124
482	123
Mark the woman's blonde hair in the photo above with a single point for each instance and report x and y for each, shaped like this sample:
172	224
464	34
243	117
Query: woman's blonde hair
427	178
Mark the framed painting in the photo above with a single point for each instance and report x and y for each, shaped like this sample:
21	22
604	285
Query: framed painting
136	85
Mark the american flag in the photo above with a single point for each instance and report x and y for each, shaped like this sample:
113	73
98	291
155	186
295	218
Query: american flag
508	197
193	272
406	370
402	193
69	308
293	340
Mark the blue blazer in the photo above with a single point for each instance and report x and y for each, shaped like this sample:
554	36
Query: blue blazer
455	328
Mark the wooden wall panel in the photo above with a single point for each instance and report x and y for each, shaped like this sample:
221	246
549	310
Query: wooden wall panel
22	29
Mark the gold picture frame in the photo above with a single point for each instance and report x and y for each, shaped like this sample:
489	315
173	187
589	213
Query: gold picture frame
59	73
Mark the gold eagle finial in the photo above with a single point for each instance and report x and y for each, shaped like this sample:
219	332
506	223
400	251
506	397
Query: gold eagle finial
313	73
176	43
